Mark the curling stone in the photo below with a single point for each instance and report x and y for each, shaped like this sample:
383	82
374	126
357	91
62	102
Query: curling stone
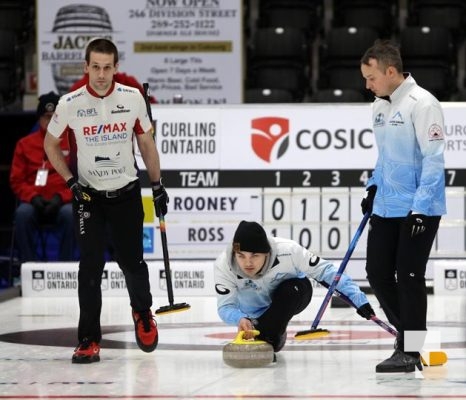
248	353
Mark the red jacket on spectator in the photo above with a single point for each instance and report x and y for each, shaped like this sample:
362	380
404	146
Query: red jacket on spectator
28	158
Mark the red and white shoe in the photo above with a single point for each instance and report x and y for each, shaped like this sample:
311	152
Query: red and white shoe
86	352
145	328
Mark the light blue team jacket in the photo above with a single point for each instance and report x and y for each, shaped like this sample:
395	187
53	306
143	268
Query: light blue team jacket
409	173
240	296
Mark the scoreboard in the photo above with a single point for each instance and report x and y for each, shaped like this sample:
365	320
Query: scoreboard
301	170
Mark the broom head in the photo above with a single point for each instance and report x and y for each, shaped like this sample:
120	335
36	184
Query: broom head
172	308
312	333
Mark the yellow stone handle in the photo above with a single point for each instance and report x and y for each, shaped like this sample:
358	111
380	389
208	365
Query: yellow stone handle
240	340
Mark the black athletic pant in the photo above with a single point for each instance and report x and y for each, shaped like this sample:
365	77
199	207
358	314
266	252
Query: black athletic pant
122	217
289	298
396	267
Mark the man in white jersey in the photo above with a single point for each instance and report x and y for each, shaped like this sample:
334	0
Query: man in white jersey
405	196
261	282
102	118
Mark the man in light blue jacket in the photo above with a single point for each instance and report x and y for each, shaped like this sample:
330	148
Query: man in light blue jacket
406	196
262	281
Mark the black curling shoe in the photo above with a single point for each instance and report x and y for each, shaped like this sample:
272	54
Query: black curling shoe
400	362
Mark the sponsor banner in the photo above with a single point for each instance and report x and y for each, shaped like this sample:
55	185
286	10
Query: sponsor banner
302	137
187	48
450	277
196	278
189	278
455	136
182	134
60	279
280	137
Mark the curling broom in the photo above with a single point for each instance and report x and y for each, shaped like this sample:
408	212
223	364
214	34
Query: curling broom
315	333
171	307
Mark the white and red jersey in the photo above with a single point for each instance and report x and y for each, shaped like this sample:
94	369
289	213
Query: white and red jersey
102	129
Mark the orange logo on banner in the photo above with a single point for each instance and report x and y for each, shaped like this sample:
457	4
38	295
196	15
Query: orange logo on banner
269	137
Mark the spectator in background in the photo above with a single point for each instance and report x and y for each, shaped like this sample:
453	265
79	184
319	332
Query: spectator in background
119	77
43	195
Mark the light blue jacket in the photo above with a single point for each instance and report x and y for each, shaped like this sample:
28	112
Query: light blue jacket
240	296
410	169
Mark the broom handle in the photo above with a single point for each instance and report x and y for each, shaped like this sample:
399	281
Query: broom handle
337	277
166	259
163	232
374	318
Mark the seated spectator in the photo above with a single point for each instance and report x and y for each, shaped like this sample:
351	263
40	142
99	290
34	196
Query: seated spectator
43	195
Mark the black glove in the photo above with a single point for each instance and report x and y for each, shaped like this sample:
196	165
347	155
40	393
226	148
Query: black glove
415	223
160	197
39	203
51	209
78	193
366	311
368	201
